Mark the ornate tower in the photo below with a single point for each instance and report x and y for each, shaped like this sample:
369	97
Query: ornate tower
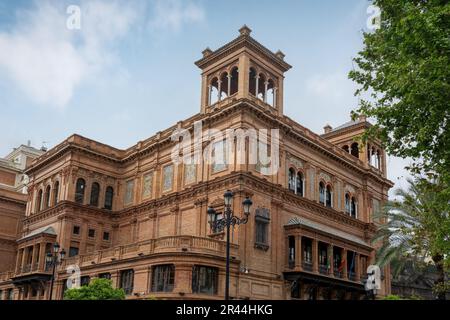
243	68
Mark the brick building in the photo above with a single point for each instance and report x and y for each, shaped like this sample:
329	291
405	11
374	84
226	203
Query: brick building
139	218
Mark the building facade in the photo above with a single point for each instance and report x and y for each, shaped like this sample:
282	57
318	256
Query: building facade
138	217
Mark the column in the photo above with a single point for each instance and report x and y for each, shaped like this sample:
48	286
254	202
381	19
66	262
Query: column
298	252
19	260
275	97
219	90
42	256
265	91
357	267
330	250
257	85
24	259
229	85
209	94
344	258
33	257
315	256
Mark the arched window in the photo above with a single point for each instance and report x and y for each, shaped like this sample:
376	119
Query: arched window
321	193
56	193
355	150
234	80
252	81
79	190
213	91
347	203
270	96
329	197
224	89
353	208
47	197
39	201
95	192
345	148
109	194
299	187
291	181
261	86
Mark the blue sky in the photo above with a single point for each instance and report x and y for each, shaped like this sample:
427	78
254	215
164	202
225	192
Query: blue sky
129	71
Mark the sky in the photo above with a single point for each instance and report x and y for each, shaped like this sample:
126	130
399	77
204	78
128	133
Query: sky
128	71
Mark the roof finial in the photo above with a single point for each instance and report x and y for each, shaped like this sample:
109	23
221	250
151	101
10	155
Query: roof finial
245	31
280	54
206	52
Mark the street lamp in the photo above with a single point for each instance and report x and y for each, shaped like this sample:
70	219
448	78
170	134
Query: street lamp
226	221
54	259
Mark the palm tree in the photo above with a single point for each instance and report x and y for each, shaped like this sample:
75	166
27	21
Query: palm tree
416	228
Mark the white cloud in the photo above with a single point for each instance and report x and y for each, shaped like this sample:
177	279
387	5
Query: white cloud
47	61
172	14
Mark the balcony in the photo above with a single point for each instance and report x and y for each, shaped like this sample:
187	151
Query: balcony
171	244
323	269
307	266
338	274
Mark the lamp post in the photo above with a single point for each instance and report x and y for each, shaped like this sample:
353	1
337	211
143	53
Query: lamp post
53	259
227	221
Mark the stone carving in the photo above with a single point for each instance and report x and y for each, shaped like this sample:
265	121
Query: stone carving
295	161
325	177
129	191
190	173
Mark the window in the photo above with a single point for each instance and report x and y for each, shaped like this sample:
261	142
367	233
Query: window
76	230
215	229
347	203
219	156
299	187
204	279
105	275
95	192
353	207
291	251
39	201
55	192
106	236
163	278
84	281
1	294
79	191
10	294
322	193
329	197
147	185
291	182
127	281
129	190
47	197
91	233
109	193
168	178
262	218
73	251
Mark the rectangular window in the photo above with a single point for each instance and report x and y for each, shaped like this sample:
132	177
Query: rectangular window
91	233
105	275
168	178
262	219
106	236
73	251
127	281
129	191
190	173
219	156
204	279
10	294
76	230
84	281
163	278
147	185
